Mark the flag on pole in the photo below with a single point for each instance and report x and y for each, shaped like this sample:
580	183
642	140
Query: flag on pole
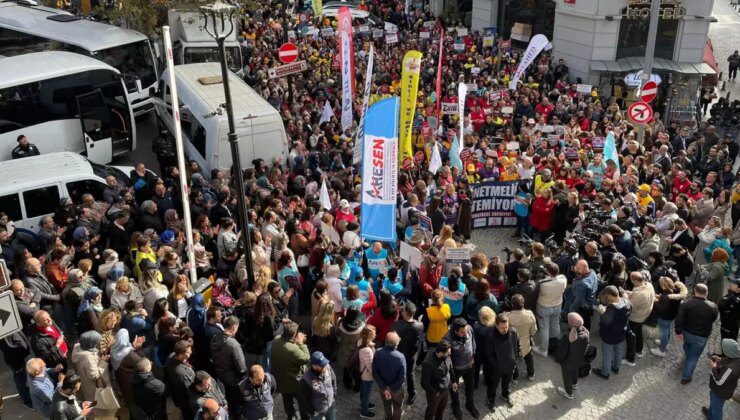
439	71
610	151
536	45
436	162
410	69
324	197
455	155
462	92
327	113
346	64
380	171
357	151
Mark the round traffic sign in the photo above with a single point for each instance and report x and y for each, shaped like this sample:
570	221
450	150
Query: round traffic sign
649	91
640	112
288	52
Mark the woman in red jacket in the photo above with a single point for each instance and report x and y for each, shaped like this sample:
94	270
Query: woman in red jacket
384	316
541	217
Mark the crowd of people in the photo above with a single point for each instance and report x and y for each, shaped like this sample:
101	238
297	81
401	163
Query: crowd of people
111	321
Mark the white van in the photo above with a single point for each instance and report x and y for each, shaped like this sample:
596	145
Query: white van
204	122
32	187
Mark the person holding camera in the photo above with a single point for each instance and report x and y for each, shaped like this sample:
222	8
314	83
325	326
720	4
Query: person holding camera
290	359
723	378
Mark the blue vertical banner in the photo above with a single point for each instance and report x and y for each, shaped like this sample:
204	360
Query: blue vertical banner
380	171
610	150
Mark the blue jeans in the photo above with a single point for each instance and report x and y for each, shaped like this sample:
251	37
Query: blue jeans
366	388
266	357
693	347
664	326
715	406
522	225
611	356
548	321
330	414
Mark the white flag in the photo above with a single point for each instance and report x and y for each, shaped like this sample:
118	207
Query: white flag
462	92
327	113
536	44
324	198
436	161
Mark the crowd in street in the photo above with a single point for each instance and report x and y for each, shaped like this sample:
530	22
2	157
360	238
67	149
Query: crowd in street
609	249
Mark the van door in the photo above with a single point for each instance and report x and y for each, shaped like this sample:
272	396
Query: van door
96	126
39	202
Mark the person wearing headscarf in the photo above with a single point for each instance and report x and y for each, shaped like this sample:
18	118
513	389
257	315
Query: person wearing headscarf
172	220
89	310
91	365
124	356
718	269
111	270
723	378
571	354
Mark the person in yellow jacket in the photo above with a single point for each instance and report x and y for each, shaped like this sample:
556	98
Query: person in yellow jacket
437	315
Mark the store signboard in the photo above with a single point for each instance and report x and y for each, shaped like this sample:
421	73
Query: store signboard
640	9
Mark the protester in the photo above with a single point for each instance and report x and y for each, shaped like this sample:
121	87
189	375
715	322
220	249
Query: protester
571	354
694	323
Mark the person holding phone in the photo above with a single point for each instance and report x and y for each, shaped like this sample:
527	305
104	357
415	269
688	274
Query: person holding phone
64	405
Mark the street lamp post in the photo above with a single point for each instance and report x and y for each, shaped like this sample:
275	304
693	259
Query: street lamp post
219	16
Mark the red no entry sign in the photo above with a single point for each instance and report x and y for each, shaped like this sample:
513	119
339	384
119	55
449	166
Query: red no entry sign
649	91
288	52
640	112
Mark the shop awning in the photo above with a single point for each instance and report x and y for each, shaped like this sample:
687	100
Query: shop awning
631	64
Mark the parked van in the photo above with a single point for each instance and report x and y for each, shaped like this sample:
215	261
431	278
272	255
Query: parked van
205	126
33	187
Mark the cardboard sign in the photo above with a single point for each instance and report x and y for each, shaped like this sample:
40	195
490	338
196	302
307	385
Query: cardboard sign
390	28
459	47
507	110
571	153
429	24
377	33
327	32
449	108
465	155
411	254
311	31
424	35
462	31
598	144
391	38
457	255
475	71
488	41
496	95
472	87
585	89
547	129
364	28
331	233
553	140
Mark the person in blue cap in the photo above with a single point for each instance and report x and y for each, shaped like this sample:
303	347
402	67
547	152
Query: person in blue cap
318	389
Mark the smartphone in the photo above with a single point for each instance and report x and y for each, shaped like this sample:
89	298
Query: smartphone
93	404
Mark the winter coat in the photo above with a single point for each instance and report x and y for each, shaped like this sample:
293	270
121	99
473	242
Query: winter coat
150	395
288	364
571	355
502	350
613	322
541	217
724	378
64	407
437	317
641	299
257	402
125	373
91	368
716	280
525	323
317	391
228	359
666	307
178	376
435	373
347	339
389	368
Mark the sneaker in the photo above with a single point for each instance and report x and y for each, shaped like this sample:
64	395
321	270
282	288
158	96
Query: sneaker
657	341
371	406
640	354
531	377
598	373
575	387
685	381
473	411
507	401
705	411
368	415
627	362
28	407
538	351
562	392
457	413
615	371
491	404
657	352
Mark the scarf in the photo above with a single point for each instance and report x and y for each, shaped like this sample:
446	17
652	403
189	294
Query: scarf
87	301
121	348
53	332
575	323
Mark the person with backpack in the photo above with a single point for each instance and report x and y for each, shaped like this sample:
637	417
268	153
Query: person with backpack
613	323
571	354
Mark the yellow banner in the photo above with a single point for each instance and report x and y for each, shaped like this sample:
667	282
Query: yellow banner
318	5
410	68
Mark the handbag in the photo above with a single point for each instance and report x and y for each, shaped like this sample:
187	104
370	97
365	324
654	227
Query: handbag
105	397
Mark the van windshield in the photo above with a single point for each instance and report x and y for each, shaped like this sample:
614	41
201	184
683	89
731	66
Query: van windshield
210	55
103	171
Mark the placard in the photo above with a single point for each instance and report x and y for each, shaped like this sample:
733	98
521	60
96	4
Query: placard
553	140
459	47
425	35
488	41
411	254
507	110
571	153
364	28
496	95
429	24
462	31
390	28
377	33
331	233
547	129
493	204
327	32
598	144
457	255
449	108
391	38
472	87
475	71
311	31
586	89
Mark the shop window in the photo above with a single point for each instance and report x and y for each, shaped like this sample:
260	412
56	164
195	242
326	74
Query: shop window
633	34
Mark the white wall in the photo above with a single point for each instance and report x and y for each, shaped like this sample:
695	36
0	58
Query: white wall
485	13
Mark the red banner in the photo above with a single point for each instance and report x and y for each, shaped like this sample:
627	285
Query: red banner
439	72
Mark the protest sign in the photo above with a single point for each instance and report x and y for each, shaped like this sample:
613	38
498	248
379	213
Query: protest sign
493	204
488	41
449	108
457	255
585	89
331	233
377	33
391	38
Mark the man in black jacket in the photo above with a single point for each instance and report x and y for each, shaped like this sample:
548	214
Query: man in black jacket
150	394
203	388
64	405
436	379
462	344
47	341
228	361
502	345
179	376
729	311
694	323
411	332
